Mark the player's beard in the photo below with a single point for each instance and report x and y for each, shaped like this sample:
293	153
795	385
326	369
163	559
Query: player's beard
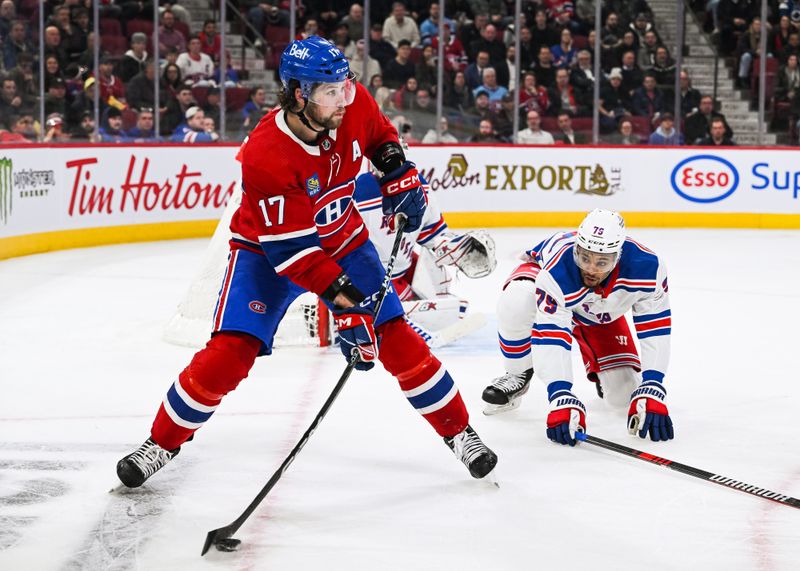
330	121
593	280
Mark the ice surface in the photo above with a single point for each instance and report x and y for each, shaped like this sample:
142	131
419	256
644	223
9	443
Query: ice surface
83	369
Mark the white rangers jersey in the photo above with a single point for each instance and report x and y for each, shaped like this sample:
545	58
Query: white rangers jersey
638	282
432	233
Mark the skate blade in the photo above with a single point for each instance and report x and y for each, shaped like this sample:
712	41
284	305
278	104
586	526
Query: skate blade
491	478
492	409
120	488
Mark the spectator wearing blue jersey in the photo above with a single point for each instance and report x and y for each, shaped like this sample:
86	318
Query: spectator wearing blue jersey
666	133
430	27
193	130
564	54
144	131
111	127
490	86
258	99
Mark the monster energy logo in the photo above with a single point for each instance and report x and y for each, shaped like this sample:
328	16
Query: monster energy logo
6	189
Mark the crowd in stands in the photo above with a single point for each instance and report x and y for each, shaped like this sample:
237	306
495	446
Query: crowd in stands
551	92
187	72
737	29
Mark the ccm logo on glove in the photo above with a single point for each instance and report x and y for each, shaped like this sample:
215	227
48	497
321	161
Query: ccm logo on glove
344	322
410	180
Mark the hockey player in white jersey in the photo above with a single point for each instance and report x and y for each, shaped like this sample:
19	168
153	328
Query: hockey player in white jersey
426	264
579	285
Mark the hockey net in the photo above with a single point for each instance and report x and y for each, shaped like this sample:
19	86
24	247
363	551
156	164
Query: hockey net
306	322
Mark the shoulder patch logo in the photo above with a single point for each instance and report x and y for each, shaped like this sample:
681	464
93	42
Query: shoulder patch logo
312	185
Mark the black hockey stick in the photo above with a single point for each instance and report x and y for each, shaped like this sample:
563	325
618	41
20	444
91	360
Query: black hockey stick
696	472
221	537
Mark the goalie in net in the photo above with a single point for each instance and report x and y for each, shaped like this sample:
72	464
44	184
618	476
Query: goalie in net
427	265
425	270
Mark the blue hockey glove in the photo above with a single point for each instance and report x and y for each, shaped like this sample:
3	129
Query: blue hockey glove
357	333
402	194
566	417
648	412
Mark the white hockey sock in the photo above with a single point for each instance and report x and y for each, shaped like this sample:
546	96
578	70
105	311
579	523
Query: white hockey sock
516	310
617	385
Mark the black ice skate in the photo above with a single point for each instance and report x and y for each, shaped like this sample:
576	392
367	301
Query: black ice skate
476	456
149	458
505	392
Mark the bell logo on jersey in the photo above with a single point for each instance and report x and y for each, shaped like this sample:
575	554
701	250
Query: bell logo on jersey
300	53
258	307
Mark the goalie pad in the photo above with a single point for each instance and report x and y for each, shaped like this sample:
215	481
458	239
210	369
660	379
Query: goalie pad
451	333
473	253
443	320
438	313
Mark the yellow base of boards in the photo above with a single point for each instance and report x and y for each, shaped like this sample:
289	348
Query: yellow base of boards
569	220
86	237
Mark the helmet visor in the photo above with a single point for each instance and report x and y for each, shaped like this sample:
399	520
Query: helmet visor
339	94
594	262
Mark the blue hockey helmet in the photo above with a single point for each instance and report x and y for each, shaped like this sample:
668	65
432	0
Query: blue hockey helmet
312	61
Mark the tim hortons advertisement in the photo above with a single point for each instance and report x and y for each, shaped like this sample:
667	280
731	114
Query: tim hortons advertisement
50	189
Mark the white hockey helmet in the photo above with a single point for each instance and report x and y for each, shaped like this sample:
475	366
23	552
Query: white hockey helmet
601	232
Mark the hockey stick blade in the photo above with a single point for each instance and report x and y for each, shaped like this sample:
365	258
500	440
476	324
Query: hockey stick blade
221	538
461	328
696	472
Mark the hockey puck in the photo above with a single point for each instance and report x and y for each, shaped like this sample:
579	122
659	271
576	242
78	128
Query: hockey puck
229	544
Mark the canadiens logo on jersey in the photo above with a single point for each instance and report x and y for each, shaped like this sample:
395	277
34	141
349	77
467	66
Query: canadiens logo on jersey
258	306
312	185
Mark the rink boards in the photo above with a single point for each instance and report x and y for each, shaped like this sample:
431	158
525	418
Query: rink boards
56	197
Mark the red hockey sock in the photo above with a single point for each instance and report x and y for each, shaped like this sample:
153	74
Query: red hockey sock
424	380
192	399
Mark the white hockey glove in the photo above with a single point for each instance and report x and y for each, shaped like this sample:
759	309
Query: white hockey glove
473	253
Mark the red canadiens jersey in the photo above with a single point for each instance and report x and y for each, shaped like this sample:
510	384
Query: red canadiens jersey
298	199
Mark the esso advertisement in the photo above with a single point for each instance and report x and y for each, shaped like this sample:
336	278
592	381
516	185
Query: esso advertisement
704	178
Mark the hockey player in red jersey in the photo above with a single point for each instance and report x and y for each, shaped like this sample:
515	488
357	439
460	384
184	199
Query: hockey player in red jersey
297	230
